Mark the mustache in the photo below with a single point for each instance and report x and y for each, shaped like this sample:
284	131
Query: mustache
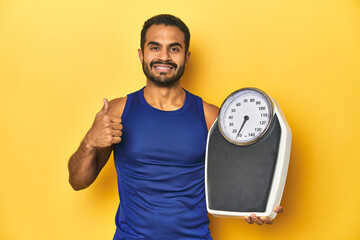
163	62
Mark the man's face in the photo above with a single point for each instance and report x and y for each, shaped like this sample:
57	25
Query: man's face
164	57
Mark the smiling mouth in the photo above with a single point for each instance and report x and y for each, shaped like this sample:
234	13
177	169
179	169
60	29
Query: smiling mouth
162	68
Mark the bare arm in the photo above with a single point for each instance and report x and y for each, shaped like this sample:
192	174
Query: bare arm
94	151
211	113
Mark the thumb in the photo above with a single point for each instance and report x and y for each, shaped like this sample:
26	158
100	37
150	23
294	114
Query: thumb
106	107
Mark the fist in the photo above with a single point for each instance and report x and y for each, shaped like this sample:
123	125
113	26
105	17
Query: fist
106	129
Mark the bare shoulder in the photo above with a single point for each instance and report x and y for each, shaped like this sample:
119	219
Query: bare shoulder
211	112
117	106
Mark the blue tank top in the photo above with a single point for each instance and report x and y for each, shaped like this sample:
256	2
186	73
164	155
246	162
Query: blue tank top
160	171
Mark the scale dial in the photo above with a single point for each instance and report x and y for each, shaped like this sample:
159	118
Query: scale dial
245	116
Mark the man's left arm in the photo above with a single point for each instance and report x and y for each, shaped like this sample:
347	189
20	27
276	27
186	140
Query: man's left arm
211	113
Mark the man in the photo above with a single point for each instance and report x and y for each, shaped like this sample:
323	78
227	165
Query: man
158	135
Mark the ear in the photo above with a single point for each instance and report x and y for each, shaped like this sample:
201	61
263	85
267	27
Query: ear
141	57
187	56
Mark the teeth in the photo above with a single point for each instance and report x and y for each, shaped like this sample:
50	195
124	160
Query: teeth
162	68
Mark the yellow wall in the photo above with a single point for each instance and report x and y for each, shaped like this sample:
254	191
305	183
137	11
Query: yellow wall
58	59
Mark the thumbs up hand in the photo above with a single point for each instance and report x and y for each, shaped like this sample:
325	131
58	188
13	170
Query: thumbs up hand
106	129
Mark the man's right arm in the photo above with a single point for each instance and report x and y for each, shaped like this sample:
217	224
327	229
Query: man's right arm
94	151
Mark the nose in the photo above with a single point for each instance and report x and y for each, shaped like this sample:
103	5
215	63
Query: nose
164	55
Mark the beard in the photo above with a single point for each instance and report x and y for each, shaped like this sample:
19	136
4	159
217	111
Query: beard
162	80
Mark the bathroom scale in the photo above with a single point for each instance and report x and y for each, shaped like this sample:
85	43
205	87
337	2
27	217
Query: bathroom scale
247	156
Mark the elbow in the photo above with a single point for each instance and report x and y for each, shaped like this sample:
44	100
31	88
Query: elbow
76	186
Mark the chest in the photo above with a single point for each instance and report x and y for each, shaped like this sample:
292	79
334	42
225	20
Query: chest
163	139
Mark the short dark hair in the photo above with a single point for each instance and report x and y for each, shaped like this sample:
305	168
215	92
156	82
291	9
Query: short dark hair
167	20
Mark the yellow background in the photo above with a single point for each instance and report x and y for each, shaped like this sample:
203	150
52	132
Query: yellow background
59	59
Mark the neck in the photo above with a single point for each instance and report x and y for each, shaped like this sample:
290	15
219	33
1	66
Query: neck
166	98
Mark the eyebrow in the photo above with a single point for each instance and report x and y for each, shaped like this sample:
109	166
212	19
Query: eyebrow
175	44
171	44
153	43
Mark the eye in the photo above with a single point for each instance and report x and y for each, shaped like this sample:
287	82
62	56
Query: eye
174	49
154	48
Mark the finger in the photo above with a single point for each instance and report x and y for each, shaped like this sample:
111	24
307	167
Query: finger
259	222
249	220
278	209
256	219
266	220
116	133
116	140
115	119
106	107
116	126
270	221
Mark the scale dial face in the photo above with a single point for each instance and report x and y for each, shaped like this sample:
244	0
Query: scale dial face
245	116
